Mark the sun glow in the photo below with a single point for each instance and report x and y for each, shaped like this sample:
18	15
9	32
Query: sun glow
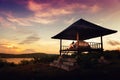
11	46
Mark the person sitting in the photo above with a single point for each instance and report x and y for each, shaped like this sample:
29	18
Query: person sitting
80	44
72	45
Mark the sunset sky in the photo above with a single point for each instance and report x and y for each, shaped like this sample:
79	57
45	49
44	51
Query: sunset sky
27	26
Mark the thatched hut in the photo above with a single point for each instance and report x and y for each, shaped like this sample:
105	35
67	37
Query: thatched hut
83	30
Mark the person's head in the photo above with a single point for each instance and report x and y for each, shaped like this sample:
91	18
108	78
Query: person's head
73	42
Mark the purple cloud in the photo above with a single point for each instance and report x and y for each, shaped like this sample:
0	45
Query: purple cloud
17	8
47	9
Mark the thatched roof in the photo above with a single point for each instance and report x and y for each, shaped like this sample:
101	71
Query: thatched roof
85	29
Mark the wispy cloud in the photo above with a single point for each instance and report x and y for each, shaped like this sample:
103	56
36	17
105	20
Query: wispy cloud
113	42
70	21
5	49
34	6
19	21
49	10
30	39
23	30
8	47
5	23
95	8
28	51
28	21
46	9
8	44
41	20
1	19
10	21
44	12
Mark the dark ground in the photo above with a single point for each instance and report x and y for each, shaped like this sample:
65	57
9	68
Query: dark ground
45	72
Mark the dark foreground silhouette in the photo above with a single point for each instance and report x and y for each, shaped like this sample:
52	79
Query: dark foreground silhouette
45	72
89	69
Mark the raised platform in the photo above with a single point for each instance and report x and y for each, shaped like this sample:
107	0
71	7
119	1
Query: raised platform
67	64
92	46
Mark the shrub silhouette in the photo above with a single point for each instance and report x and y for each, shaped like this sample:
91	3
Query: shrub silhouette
6	64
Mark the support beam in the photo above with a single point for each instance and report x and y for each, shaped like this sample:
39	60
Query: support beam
101	44
60	46
77	37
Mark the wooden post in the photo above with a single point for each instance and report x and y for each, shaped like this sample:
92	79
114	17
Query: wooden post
77	37
60	46
101	44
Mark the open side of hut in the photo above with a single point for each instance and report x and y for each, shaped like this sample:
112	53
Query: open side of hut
83	30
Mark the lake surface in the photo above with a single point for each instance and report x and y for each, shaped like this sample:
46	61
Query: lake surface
16	60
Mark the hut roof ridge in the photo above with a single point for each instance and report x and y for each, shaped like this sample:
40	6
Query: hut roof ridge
85	29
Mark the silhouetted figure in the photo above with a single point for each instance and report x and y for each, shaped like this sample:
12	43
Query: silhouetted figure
72	45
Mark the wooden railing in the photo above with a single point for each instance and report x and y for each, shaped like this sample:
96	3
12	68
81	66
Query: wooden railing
65	47
93	45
